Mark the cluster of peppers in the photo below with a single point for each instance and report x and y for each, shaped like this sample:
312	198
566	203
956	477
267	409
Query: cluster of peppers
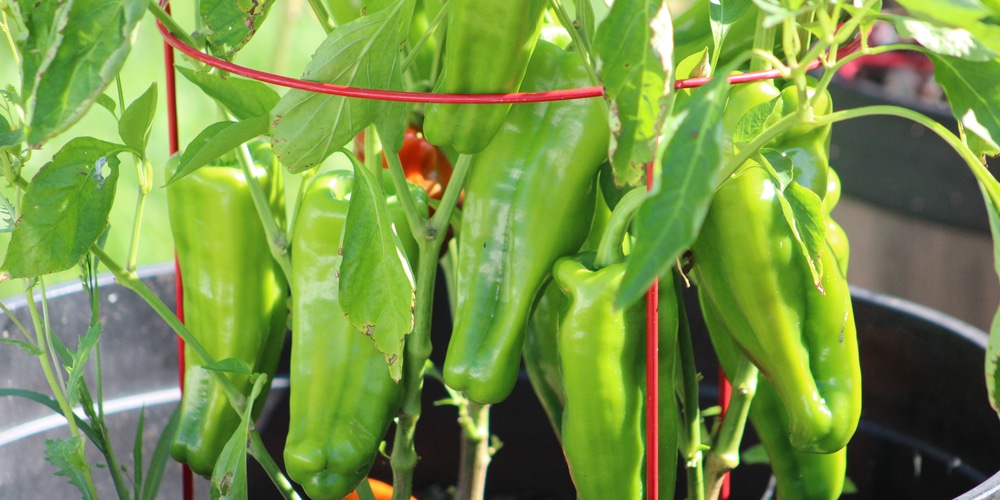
534	284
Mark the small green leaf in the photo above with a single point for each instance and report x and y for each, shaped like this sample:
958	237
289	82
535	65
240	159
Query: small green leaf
133	127
65	209
722	15
755	454
376	284
106	102
974	97
690	162
232	23
781	166
137	454
307	126
96	39
25	346
161	456
954	13
230	365
849	487
243	98
803	210
80	358
953	42
67	456
229	478
993	345
634	48
215	141
50	403
756	120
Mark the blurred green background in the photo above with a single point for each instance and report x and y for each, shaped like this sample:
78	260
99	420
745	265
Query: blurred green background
284	45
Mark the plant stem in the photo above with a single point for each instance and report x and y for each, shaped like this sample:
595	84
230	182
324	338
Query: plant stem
786	122
725	453
609	250
418	346
763	39
259	451
690	439
476	453
145	173
417	45
277	238
319	10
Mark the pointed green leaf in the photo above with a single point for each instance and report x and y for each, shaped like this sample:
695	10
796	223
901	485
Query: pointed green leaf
993	345
80	359
307	126
376	284
133	127
722	15
756	120
974	97
106	102
953	42
755	454
690	161
803	210
44	22
96	40
230	365
216	140
955	13
241	97
161	456
25	346
67	456
634	47
137	454
65	209
229	478
50	403
232	23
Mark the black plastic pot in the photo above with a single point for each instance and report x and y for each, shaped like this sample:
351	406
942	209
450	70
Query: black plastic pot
927	430
896	164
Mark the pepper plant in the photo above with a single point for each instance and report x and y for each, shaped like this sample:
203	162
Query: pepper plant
699	157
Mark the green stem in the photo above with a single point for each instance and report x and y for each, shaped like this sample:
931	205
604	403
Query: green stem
129	280
419	44
145	173
786	122
413	215
725	453
418	345
609	250
168	21
690	439
319	10
373	153
58	391
276	236
763	40
259	452
582	45
476	454
10	39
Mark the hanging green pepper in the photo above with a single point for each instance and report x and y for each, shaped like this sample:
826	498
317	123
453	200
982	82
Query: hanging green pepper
506	250
603	370
748	266
798	475
342	398
234	296
488	44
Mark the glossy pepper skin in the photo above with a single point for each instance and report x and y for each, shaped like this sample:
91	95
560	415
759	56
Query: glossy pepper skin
798	475
341	398
749	267
513	228
488	44
234	296
601	357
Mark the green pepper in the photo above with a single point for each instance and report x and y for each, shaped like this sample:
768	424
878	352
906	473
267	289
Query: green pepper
798	475
506	250
748	266
341	398
601	357
234	296
541	360
488	44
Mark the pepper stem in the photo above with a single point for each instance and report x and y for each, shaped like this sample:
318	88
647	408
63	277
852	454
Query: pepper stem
609	250
725	453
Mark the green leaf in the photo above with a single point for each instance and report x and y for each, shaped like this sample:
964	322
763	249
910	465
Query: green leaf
722	15
231	365
161	456
43	21
756	120
376	284
690	163
133	127
954	13
803	210
974	97
50	403
106	102
215	141
232	23
953	42
993	345
137	454
65	209
80	358
781	166
96	39
308	126
67	455
25	346
229	478
634	48
241	97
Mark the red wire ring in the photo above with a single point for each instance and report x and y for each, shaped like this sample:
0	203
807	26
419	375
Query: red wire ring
425	97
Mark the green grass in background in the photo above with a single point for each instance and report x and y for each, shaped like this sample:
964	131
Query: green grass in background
283	45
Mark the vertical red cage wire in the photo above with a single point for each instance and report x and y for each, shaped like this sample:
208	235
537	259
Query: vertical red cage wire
652	339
